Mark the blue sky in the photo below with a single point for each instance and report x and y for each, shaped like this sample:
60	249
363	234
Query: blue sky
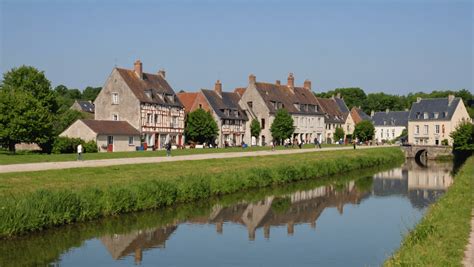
391	46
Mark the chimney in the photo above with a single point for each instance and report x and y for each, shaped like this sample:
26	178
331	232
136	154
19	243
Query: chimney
162	73
138	68
277	82
252	79
372	113
418	99
307	85
338	95
291	80
387	110
218	88
450	99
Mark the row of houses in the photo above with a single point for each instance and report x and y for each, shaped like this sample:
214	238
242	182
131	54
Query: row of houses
135	108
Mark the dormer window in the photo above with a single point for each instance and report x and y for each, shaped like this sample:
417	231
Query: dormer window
148	93
297	106
436	115
425	115
170	98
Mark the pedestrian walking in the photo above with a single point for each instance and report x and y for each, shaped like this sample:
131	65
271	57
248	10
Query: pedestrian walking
79	152
273	145
300	143
168	149
354	143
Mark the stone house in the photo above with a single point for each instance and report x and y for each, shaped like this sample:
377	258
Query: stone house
224	106
431	121
336	115
261	100
109	135
144	100
389	124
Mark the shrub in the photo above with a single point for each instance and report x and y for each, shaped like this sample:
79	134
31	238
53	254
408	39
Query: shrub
69	145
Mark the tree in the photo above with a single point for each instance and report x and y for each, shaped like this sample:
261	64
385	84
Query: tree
282	127
67	118
200	126
364	130
353	96
463	137
339	133
90	93
255	128
27	108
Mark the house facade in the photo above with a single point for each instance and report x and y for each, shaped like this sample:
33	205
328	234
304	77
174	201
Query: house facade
336	115
389	124
224	107
431	121
110	136
144	100
261	101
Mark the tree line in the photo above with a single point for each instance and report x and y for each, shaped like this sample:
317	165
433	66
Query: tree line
356	97
31	111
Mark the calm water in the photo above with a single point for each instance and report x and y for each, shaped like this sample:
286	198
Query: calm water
353	220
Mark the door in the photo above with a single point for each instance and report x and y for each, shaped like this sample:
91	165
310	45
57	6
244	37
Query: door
110	143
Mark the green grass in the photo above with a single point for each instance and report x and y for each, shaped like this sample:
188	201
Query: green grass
442	235
31	157
37	200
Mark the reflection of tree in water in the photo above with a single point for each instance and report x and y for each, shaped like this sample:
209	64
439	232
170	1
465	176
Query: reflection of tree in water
422	186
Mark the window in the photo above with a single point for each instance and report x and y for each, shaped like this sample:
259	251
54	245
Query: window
115	117
250	104
417	129
200	105
130	141
156	118
425	115
263	123
393	133
381	133
425	129
149	118
174	121
115	98
436	115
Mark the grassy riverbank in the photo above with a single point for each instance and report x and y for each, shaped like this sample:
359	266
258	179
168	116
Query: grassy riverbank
441	236
38	200
32	157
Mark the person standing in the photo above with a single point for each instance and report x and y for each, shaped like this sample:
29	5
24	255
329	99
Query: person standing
354	143
168	149
79	152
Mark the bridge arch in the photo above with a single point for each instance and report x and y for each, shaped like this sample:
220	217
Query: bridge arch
421	157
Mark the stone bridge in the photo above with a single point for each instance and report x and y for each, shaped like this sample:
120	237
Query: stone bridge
423	153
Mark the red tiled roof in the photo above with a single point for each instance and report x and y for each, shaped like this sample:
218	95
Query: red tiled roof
288	97
187	99
240	91
111	127
153	82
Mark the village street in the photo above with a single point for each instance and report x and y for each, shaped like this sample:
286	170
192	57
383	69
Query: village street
124	161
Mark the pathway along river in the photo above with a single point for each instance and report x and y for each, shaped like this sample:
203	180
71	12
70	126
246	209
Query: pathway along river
355	219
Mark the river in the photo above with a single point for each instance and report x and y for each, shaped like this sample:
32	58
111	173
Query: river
354	219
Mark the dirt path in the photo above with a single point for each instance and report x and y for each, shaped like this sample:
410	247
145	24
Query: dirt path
124	161
469	253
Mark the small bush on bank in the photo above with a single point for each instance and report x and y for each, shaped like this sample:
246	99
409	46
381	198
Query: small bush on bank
64	145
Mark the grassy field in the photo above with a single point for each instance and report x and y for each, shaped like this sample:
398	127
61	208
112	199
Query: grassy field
442	235
30	157
35	200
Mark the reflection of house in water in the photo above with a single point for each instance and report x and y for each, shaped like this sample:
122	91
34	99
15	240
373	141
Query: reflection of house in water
121	245
303	207
422	185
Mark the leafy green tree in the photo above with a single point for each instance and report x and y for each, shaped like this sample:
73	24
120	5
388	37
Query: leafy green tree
353	96
90	93
364	130
255	128
463	137
382	101
282	126
200	126
339	133
65	119
27	107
